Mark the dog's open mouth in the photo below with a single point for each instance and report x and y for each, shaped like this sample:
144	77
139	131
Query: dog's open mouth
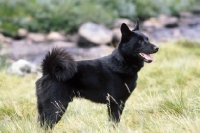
147	57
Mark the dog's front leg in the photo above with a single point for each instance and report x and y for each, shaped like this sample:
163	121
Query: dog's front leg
114	111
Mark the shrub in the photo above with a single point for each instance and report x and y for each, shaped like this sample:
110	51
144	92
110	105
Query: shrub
47	15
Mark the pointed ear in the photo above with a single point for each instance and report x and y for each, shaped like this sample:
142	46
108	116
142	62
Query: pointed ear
125	30
136	25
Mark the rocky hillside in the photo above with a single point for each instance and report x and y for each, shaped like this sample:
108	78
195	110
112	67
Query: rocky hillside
94	40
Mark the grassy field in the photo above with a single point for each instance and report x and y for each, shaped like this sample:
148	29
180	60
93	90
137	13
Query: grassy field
166	100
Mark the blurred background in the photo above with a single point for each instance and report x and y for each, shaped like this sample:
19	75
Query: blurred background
167	98
29	28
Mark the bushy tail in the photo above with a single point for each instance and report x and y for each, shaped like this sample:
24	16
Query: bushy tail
59	64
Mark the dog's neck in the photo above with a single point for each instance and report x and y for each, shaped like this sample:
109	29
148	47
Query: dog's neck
125	65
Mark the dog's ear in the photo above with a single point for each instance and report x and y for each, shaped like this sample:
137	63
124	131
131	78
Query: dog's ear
136	25
125	30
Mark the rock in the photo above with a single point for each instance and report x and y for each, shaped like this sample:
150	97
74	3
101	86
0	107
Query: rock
5	39
2	38
8	40
72	37
186	15
177	33
55	36
34	52
151	24
167	21
188	21
163	35
91	34
22	32
90	53
22	68
36	37
196	9
117	23
116	36
191	33
117	33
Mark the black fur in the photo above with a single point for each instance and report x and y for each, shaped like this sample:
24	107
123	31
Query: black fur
109	80
59	64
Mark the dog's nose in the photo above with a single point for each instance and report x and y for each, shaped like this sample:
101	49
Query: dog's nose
155	48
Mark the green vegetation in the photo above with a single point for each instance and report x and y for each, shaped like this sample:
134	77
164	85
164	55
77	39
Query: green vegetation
3	58
166	100
67	15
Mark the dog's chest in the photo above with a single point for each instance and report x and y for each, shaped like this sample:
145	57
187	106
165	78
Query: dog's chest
128	84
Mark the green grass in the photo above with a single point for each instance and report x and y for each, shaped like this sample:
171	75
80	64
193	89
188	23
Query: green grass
166	100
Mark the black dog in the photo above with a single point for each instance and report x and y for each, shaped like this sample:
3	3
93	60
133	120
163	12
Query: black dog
109	80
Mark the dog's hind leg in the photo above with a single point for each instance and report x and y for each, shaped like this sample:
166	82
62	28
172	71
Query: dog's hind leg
52	100
51	113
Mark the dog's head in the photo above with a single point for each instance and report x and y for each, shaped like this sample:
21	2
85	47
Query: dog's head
135	44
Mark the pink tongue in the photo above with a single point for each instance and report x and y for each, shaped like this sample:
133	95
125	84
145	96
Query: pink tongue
149	57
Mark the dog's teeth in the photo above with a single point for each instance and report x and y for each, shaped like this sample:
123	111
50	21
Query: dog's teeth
142	54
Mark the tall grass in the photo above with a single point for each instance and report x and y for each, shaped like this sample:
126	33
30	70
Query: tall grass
166	100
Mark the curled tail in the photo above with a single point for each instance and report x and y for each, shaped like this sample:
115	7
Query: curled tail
59	64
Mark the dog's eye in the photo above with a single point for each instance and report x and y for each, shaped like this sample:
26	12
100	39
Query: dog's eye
141	41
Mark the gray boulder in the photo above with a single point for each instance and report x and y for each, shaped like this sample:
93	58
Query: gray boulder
36	37
168	21
91	34
151	24
22	32
22	68
188	19
2	38
55	36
